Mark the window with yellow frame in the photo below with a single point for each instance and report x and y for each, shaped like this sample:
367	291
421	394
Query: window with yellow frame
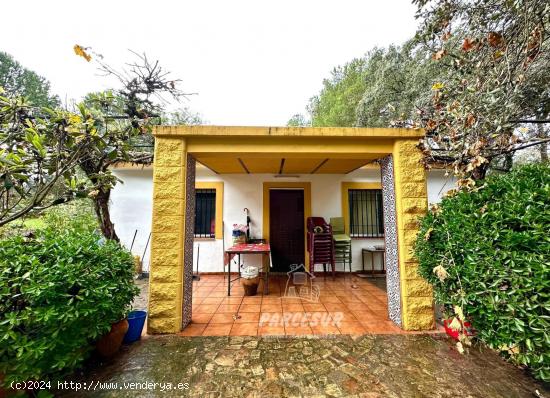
208	210
362	209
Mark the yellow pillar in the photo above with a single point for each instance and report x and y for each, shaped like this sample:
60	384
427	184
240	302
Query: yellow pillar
168	226
411	203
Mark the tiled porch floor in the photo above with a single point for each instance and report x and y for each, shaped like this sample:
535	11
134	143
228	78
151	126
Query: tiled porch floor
346	305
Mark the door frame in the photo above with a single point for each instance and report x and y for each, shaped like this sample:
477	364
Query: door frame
306	187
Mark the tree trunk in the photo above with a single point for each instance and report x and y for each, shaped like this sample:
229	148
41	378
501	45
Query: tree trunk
508	161
101	204
542	133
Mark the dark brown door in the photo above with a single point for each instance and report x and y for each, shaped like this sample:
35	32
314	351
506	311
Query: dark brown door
286	228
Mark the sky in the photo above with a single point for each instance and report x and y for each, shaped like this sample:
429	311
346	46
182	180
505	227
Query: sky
250	62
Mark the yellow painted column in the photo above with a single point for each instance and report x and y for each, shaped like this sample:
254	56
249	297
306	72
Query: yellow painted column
411	202
167	254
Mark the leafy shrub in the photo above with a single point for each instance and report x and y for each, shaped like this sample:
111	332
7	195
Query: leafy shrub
60	290
487	251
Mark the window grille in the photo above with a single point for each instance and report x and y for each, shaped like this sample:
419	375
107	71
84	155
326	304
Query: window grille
205	213
366	213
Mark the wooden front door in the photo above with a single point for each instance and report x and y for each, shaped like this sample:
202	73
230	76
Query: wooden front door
286	228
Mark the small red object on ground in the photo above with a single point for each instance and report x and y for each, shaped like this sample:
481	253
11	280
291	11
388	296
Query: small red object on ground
454	333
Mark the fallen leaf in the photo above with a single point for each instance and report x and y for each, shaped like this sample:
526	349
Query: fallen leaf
495	39
439	54
468	44
81	52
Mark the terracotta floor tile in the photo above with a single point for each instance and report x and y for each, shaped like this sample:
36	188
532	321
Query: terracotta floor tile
351	298
381	314
296	319
197	300
194	329
342	316
219	294
222	318
271	300
298	331
250	308
351	328
357	306
206	308
271	319
201	293
335	307
365	316
376	305
386	327
245	317
271	331
217	330
201	318
271	308
232	300
244	329
212	300
228	308
319	318
293	307
309	307
330	299
252	300
325	330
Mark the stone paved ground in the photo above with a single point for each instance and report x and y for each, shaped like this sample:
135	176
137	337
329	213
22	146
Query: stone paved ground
367	366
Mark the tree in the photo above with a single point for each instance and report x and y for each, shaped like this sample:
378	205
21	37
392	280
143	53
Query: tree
123	118
384	88
181	116
20	81
336	104
496	54
40	150
44	151
298	120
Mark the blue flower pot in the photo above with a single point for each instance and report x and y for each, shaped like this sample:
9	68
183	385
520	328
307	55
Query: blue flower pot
136	320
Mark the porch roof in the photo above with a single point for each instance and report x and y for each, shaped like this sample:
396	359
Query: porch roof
286	150
265	131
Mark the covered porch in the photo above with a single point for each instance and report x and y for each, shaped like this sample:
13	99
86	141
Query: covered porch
281	160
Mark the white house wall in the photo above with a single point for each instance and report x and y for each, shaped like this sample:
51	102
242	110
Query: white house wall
132	203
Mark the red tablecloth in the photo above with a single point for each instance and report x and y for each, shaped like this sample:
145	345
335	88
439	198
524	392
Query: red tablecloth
246	248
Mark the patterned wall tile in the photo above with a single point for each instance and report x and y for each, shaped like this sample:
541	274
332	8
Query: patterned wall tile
188	241
391	243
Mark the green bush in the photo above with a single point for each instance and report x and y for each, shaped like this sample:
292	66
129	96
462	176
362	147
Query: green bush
494	245
60	290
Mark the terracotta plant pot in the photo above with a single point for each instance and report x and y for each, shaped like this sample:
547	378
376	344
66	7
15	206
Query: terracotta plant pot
250	286
109	344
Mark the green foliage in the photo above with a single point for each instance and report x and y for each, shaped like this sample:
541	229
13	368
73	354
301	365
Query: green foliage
336	104
60	290
494	249
20	81
298	120
383	88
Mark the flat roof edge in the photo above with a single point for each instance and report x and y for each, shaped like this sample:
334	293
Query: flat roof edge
260	131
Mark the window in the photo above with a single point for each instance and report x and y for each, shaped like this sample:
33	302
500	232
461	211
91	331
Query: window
205	213
362	209
208	210
365	213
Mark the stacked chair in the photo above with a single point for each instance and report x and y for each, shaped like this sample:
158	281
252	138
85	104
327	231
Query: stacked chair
320	244
342	242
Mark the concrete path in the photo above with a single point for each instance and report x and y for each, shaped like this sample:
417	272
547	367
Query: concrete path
367	366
